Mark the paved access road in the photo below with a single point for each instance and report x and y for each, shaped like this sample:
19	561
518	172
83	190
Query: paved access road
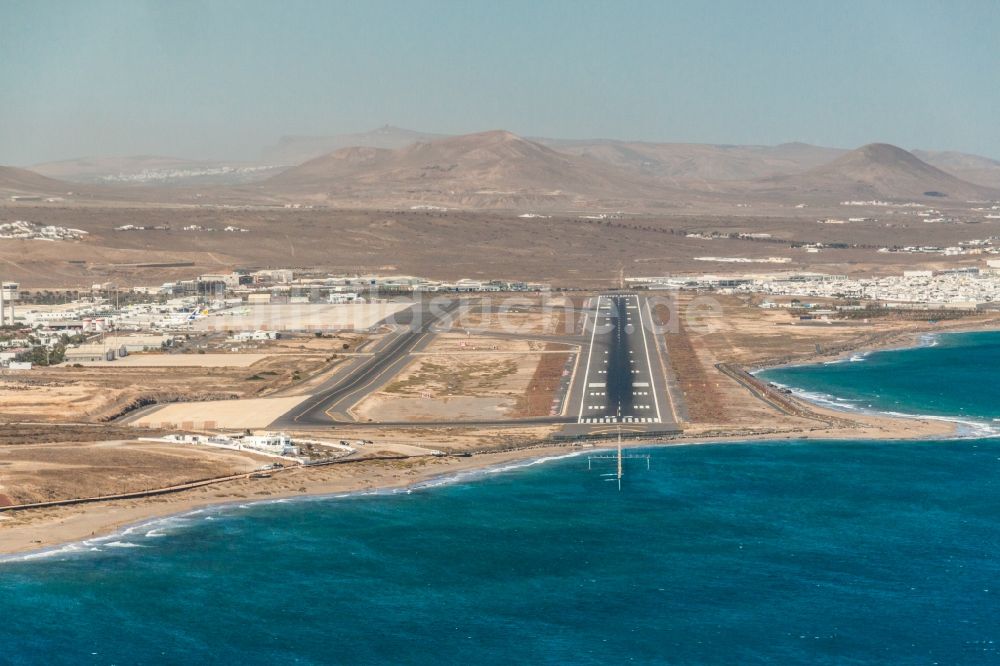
414	330
619	379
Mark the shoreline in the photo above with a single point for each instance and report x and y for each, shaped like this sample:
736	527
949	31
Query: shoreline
100	522
890	344
36	533
893	341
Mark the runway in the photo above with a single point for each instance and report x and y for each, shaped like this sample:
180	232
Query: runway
618	384
622	385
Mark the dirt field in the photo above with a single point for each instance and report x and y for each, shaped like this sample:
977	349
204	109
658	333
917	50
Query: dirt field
514	318
227	414
66	393
699	386
179	361
46	472
539	397
482	386
449	343
455	439
564	250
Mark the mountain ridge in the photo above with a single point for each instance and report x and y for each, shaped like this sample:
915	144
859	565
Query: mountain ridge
876	170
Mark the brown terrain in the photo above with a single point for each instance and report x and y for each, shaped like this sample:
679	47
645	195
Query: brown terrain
879	171
563	250
518	376
501	171
537	399
98	393
44	472
349	212
486	170
14	181
601	215
299	149
694	163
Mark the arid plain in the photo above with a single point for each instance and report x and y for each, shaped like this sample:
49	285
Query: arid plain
551	232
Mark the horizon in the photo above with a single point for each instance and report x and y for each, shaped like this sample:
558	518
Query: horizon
222	80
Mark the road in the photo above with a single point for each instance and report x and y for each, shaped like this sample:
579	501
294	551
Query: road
414	330
619	378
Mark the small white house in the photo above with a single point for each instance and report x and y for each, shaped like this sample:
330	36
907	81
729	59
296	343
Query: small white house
270	442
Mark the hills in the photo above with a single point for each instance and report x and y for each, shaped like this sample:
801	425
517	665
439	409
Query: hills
681	163
973	168
493	169
877	170
299	149
15	181
500	170
701	163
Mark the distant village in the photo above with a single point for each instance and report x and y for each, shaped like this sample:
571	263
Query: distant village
971	288
106	323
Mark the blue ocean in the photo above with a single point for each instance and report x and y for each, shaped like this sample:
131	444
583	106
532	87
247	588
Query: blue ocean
779	552
952	375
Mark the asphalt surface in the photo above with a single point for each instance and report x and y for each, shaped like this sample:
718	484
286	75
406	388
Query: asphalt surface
618	383
619	378
330	404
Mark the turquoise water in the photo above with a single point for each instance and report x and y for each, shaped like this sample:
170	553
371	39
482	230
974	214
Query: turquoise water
781	552
784	552
954	375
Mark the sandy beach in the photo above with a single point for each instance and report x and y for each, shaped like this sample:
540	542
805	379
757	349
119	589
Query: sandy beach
43	529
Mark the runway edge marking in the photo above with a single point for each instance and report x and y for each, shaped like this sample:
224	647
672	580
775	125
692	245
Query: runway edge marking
590	353
649	361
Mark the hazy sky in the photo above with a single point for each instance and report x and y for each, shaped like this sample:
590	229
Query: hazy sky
215	79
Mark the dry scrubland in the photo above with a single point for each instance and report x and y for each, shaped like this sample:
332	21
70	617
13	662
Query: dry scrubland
218	414
100	392
521	315
456	387
45	472
563	250
465	377
460	343
448	381
711	402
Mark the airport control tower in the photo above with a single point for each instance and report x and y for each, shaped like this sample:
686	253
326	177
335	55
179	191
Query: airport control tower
9	294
